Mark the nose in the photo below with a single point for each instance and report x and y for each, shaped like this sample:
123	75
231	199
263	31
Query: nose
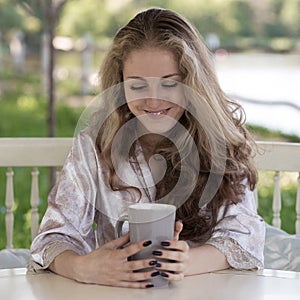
153	99
153	102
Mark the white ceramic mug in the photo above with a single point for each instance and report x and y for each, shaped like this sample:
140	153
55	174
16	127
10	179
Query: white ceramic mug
149	221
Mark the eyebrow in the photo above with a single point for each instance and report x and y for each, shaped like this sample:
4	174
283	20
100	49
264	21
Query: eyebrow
171	75
165	76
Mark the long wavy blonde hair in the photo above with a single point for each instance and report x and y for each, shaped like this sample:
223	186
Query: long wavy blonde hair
167	30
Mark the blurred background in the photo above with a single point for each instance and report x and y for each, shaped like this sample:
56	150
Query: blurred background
51	50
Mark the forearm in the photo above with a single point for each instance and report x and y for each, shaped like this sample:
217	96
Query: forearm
205	259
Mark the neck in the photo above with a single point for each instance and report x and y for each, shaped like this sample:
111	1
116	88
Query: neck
147	139
149	143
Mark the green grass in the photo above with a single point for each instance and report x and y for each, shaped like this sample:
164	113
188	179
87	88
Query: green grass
264	134
23	113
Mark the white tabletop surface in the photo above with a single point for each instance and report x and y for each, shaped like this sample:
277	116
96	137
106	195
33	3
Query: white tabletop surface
244	285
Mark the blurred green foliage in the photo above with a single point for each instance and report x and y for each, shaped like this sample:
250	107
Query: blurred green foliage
258	21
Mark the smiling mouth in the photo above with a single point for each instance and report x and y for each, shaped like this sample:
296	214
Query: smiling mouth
158	112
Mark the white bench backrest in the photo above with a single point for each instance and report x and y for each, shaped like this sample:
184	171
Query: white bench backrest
51	152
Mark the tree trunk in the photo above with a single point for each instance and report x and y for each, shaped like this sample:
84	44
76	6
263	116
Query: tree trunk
50	28
51	84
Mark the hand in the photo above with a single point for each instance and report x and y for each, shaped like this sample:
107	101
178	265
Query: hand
177	252
109	265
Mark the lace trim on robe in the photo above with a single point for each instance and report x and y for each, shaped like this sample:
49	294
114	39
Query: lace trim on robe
236	256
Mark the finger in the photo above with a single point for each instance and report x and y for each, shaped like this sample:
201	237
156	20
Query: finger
119	242
176	245
139	264
171	267
178	228
171	255
171	276
141	285
140	276
132	284
135	248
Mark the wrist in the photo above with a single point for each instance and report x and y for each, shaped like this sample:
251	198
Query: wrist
67	264
76	267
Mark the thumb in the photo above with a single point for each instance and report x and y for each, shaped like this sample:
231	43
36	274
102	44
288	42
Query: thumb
178	229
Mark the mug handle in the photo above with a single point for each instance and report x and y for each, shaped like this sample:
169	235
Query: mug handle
119	225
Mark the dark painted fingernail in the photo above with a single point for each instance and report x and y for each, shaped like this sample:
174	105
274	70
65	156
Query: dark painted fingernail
157	253
164	274
153	263
165	243
147	243
155	274
158	265
149	286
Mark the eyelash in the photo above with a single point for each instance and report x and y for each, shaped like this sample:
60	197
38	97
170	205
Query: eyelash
140	87
136	88
170	85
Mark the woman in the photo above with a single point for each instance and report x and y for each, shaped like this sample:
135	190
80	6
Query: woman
161	93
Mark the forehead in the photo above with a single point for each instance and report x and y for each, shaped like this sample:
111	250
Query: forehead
150	62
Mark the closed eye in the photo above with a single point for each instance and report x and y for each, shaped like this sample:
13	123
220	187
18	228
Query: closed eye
169	84
137	87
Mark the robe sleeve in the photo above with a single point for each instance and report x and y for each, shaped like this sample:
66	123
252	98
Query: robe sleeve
68	220
240	235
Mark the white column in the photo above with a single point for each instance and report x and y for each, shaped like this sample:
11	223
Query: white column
18	51
34	202
86	63
276	201
9	204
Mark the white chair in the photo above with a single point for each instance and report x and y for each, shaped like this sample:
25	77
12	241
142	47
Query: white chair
281	250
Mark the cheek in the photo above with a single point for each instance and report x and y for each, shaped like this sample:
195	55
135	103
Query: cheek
179	113
134	106
177	96
131	107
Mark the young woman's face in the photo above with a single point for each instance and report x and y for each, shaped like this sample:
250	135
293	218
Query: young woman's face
153	90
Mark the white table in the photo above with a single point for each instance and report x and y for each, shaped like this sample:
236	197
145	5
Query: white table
15	284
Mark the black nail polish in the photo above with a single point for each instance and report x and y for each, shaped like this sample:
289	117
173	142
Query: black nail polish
157	253
149	286
158	265
147	243
153	263
165	243
156	273
164	274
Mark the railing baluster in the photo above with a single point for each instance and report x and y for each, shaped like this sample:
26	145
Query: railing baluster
298	206
57	174
256	197
276	201
9	203
34	202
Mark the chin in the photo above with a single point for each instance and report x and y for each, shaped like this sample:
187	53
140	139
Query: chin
159	127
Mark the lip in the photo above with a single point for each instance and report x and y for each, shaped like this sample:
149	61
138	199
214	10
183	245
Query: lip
156	114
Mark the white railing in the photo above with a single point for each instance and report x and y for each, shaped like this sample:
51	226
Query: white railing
29	152
51	152
280	157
